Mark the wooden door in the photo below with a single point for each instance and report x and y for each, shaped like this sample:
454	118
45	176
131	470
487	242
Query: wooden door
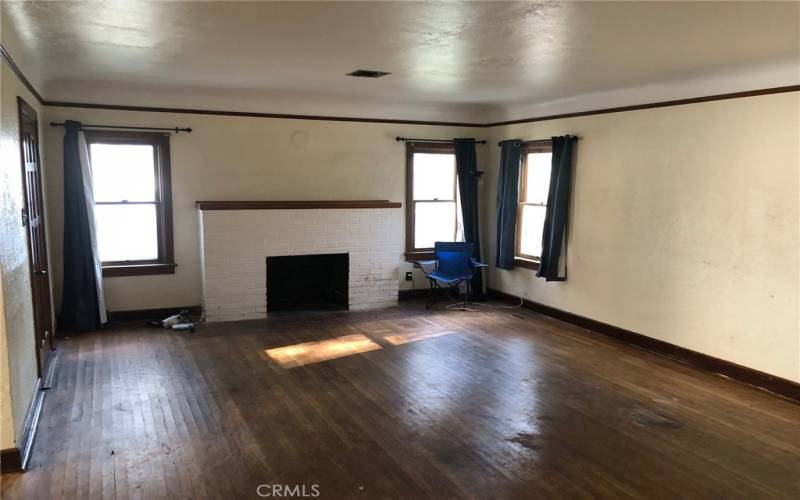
33	219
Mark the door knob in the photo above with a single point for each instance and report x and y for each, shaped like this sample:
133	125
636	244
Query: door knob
41	273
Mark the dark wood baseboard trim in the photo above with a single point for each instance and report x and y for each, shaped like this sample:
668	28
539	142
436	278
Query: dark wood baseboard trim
32	421
153	314
16	459
414	293
764	381
10	460
294	204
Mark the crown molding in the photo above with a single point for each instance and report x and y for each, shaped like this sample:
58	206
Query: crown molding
251	114
651	105
9	61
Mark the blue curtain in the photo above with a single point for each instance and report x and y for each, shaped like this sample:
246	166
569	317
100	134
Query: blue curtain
507	198
553	266
82	292
467	167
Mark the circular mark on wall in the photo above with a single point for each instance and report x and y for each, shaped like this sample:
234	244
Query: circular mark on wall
301	139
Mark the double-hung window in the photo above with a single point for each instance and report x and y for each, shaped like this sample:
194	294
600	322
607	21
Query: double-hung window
534	186
133	202
433	210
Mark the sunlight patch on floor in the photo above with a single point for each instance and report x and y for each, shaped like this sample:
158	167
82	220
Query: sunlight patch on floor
404	338
321	350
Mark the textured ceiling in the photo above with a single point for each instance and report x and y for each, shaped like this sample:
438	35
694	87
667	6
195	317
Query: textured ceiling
467	53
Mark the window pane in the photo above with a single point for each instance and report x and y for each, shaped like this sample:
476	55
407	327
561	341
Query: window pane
538	177
531	233
126	232
434	222
434	176
123	172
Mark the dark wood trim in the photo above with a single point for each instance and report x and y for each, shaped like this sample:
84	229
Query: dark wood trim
12	65
38	264
16	459
414	293
635	107
421	147
165	264
764	381
153	314
166	236
295	205
10	460
410	201
425	255
250	114
651	105
521	259
526	263
113	271
6	57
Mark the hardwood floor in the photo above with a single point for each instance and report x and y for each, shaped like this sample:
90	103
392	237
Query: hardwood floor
400	403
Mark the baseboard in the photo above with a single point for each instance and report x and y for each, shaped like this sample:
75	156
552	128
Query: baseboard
153	314
414	293
16	459
764	381
10	460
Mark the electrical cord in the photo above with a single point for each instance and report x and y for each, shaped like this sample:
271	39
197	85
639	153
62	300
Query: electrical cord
460	304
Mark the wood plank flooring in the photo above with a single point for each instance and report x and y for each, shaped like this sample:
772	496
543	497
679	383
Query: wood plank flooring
401	403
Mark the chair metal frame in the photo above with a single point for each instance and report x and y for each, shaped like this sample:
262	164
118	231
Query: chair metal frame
453	282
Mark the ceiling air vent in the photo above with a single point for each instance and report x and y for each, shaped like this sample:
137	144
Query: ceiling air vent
368	73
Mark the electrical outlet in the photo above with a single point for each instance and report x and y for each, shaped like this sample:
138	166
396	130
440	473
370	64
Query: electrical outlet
408	276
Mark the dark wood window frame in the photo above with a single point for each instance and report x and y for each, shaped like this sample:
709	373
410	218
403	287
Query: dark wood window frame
521	259
165	263
412	252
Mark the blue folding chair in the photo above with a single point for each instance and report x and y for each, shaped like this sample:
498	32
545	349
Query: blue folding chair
453	265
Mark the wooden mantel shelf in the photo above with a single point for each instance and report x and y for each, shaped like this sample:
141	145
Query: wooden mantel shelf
283	205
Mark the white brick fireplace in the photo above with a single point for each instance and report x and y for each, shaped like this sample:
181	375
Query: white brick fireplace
235	244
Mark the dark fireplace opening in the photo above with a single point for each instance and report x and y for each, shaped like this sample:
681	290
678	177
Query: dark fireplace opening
308	282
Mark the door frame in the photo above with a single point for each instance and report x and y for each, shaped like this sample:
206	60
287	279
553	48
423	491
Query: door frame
27	113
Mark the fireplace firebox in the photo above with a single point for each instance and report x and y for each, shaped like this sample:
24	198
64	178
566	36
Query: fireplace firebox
308	282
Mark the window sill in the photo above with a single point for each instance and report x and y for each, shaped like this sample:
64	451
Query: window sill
526	263
137	270
423	255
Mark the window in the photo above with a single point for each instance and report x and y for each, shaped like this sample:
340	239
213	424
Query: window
534	185
133	202
432	206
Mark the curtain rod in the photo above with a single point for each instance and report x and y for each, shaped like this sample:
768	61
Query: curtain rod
175	129
534	141
445	141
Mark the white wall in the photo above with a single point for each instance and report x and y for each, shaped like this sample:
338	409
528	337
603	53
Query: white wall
684	227
19	330
237	158
685	223
6	417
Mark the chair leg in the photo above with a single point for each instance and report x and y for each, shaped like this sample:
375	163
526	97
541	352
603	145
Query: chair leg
466	297
432	299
